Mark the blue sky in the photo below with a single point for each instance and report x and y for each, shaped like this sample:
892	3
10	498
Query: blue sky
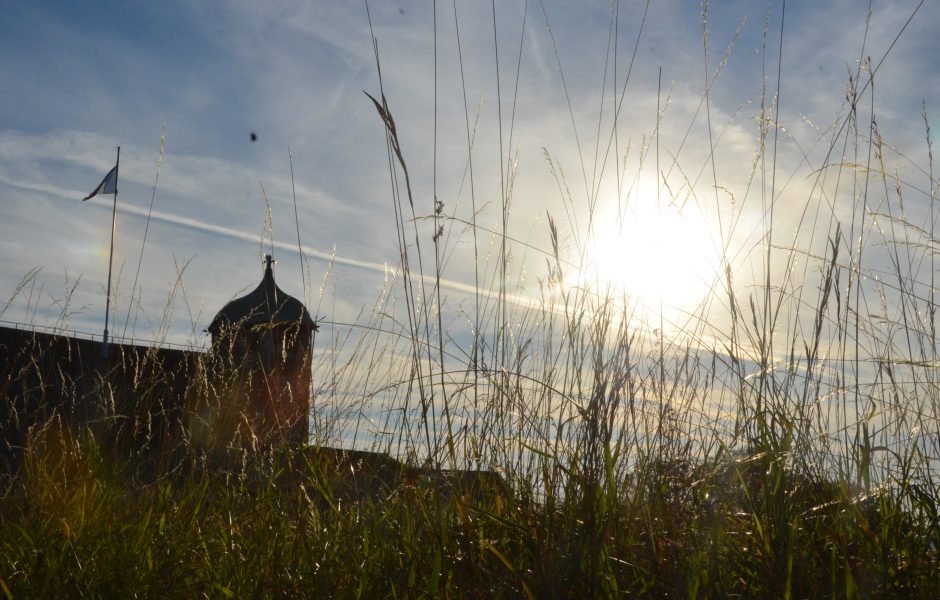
81	78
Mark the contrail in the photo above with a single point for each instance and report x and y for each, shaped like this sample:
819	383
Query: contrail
239	234
233	233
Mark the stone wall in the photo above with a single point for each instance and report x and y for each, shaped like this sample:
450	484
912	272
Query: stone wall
132	401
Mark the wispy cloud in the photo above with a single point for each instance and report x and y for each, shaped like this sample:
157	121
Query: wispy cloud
294	75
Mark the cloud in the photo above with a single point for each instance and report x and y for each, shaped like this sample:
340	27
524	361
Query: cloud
241	235
294	73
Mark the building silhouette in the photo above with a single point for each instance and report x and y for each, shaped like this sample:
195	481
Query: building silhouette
266	337
153	410
150	404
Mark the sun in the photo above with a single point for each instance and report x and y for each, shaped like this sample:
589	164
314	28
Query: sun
657	256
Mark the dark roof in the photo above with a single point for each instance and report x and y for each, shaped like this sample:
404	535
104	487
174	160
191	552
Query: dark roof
267	303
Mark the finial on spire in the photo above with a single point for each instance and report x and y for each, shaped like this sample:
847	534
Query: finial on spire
269	261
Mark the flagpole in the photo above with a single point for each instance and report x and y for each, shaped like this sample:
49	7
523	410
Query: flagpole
107	310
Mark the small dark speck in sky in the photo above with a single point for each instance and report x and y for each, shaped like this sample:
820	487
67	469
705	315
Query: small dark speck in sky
401	11
254	136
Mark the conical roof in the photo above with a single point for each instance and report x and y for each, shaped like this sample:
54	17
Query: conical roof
267	303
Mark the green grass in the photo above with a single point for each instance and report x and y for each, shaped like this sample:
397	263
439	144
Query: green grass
74	526
784	449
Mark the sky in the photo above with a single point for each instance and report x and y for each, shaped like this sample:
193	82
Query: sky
181	86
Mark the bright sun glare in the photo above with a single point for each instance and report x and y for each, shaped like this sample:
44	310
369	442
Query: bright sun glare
655	255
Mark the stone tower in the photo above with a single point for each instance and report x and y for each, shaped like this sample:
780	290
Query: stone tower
266	337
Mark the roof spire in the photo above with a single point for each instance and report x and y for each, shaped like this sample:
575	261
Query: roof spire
265	304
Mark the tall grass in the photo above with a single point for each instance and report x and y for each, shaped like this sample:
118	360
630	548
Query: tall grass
778	440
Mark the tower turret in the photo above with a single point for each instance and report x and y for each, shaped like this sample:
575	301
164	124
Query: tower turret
267	337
